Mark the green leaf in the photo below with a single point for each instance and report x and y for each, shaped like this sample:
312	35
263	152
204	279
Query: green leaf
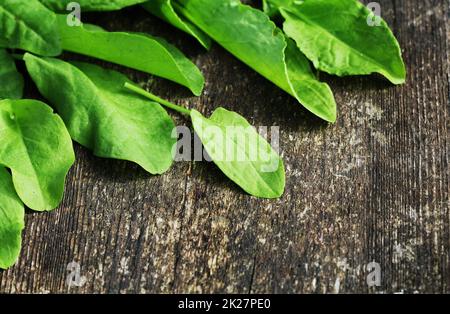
137	51
12	81
28	25
235	146
241	153
165	11
336	37
272	7
37	148
91	5
12	221
104	117
250	35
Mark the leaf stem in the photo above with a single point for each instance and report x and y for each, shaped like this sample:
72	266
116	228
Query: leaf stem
159	100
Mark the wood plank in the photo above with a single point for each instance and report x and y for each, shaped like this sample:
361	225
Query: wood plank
374	187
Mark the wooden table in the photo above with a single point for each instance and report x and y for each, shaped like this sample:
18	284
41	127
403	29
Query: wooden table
374	187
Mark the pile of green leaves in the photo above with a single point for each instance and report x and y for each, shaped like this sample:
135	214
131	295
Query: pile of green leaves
333	34
105	112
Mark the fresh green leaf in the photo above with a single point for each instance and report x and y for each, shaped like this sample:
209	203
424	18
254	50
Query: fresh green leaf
37	148
12	221
241	153
165	11
11	80
28	25
272	7
336	37
104	117
91	5
137	51
250	35
235	147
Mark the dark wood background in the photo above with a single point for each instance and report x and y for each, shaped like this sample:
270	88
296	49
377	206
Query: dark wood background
374	187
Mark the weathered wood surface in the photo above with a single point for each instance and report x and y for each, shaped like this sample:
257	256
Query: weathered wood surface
372	187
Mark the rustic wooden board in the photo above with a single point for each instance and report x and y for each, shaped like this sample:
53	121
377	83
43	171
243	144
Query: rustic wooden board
374	187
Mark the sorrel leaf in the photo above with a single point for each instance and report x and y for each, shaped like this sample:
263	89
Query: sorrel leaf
37	148
137	51
272	7
12	221
28	25
241	153
91	5
336	36
250	35
235	147
11	85
165	11
104	117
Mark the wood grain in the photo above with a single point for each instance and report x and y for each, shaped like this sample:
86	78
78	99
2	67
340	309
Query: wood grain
374	187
